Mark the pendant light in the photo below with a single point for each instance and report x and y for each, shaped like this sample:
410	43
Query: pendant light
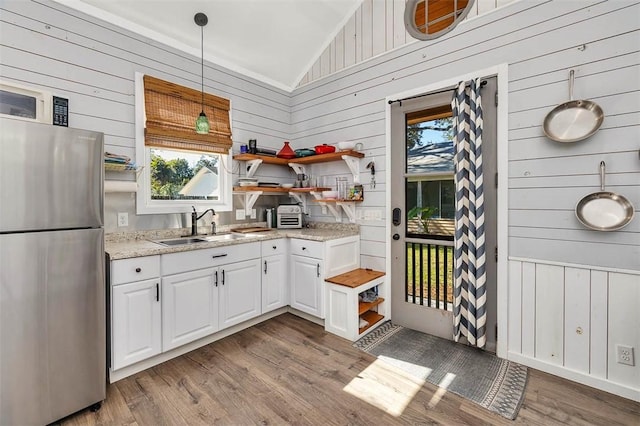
202	123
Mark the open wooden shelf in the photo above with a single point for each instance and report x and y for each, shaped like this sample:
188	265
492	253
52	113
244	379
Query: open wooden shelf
276	189
372	318
336	200
367	306
356	277
266	159
311	159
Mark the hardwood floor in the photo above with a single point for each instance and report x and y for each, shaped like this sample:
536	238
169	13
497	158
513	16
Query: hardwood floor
289	371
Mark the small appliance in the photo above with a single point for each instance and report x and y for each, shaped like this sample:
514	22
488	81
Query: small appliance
289	216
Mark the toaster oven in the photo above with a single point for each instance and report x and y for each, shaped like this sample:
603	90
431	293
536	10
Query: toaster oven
289	216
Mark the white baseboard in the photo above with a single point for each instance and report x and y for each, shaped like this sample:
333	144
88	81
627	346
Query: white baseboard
560	371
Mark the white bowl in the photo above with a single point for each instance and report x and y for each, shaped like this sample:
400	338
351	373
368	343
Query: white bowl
286	185
329	194
345	146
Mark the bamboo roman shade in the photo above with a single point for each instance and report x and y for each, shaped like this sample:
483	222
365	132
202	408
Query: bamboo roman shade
171	111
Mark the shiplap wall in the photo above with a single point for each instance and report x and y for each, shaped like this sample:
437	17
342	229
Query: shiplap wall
92	63
569	319
375	28
541	42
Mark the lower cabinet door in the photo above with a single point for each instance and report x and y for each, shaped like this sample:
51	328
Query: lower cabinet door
307	289
189	307
136	321
240	292
274	283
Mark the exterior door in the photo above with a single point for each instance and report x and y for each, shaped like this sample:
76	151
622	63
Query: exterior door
422	164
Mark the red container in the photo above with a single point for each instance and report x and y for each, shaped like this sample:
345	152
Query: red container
325	149
286	152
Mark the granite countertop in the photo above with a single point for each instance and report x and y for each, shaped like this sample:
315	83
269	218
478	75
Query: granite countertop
124	245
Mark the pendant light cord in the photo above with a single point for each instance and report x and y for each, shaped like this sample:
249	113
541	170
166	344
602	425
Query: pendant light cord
202	64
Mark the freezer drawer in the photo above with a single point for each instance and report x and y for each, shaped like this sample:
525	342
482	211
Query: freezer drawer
52	324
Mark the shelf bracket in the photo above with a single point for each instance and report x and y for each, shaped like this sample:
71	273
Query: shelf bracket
300	199
354	166
249	198
253	166
349	208
332	208
298	168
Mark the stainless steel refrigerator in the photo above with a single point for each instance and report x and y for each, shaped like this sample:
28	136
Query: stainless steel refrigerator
52	287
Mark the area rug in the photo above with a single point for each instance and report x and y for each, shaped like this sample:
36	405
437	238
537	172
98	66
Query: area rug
493	383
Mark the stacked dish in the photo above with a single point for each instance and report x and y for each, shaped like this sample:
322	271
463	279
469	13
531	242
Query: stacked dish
247	182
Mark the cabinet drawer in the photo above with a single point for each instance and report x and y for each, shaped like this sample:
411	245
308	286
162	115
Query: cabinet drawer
306	248
185	261
274	247
135	269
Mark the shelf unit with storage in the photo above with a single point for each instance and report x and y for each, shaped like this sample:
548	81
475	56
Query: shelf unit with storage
251	193
344	308
116	185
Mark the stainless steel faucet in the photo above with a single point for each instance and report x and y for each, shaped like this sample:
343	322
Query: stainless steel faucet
195	218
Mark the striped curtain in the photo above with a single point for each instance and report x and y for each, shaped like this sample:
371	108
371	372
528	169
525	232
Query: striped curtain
469	304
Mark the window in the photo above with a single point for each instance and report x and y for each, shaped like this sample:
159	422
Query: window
430	188
430	19
181	168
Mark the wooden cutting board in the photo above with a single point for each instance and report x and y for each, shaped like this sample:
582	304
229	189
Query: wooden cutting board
248	230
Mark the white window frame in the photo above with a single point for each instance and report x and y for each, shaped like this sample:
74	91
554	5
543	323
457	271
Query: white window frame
144	203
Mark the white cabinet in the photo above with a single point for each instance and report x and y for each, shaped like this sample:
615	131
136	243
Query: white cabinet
189	307
307	285
347	315
275	285
135	310
136	331
311	262
240	293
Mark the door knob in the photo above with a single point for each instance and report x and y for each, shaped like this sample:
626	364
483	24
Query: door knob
396	237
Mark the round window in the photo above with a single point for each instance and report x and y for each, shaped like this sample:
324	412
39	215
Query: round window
429	19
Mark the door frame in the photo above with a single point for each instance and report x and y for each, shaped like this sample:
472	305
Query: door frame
501	71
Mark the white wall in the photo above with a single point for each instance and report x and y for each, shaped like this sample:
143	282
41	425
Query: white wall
92	63
540	42
375	28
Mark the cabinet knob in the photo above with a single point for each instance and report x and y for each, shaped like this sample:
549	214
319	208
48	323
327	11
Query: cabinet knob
274	247
579	330
304	248
138	270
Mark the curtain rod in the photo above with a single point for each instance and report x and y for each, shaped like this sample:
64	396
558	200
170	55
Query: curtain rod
482	84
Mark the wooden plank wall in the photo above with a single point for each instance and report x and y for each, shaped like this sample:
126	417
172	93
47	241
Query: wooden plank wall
572	317
375	28
540	42
91	62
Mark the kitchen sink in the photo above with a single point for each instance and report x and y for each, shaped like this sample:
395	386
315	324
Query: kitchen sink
181	241
224	237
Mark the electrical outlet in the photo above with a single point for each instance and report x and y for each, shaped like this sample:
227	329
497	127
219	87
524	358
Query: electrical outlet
624	355
253	213
123	219
240	214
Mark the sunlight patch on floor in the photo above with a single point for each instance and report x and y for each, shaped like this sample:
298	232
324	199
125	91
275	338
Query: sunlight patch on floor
442	389
386	387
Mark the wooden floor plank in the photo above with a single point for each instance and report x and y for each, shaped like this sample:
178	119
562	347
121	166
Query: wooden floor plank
290	371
